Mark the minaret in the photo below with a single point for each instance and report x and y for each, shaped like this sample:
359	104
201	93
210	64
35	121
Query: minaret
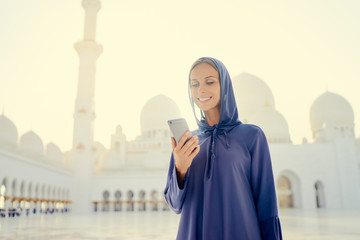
88	50
84	115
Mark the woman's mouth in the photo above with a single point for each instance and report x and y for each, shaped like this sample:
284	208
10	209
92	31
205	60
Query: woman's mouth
204	99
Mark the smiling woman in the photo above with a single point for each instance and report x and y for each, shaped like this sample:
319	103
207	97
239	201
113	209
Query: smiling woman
224	189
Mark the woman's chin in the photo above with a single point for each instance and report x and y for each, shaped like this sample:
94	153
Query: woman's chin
201	107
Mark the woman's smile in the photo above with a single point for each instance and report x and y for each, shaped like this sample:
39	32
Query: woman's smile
204	99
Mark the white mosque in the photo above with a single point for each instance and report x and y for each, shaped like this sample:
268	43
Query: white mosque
131	175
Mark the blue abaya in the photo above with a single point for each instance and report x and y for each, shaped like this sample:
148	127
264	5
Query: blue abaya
228	192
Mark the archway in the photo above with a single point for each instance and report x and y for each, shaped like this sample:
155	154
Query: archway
165	205
154	200
130	206
3	199
14	199
320	194
117	205
106	201
22	199
36	199
288	190
142	203
285	195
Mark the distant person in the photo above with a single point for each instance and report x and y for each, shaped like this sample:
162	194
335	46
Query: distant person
221	180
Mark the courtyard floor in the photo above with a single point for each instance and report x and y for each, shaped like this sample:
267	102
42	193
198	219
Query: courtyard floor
296	224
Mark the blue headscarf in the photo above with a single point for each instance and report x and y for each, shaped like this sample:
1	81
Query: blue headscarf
228	113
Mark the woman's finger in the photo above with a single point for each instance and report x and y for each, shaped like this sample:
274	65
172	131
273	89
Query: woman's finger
195	152
183	139
190	145
173	144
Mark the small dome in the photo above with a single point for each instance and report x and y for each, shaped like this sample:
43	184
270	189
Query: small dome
8	131
98	147
53	152
251	94
31	142
273	124
157	111
331	108
110	160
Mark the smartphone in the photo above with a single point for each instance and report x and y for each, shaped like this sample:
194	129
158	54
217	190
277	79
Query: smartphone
178	128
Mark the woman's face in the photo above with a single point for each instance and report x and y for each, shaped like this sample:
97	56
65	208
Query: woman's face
205	87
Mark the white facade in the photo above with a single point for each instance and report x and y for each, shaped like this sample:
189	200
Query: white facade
131	175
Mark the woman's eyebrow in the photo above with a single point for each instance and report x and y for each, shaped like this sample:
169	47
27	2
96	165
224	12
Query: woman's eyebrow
205	77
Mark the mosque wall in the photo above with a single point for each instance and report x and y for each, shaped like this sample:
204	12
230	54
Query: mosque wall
32	186
348	172
316	171
30	169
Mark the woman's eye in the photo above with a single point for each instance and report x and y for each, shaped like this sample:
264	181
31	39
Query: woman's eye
195	85
209	83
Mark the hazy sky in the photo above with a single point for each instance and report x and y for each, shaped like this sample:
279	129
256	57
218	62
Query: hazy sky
299	48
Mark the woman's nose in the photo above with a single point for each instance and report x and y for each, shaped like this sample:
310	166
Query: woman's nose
202	88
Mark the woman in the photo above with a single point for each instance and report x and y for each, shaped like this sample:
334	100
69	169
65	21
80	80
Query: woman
221	180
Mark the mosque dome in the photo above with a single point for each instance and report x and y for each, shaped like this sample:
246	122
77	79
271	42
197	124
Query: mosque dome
157	111
331	108
53	152
273	124
31	142
251	94
8	131
110	160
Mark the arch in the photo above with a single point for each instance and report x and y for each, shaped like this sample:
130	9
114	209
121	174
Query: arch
289	189
319	194
22	189
42	194
14	197
22	196
42	198
37	191
36	198
165	205
3	189
53	195
130	201
14	188
64	194
58	194
117	204
154	200
142	202
48	192
30	190
106	201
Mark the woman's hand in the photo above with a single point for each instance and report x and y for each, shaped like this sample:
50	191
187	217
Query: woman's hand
184	153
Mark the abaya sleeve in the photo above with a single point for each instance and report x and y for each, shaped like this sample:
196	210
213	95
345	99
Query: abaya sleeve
175	195
263	189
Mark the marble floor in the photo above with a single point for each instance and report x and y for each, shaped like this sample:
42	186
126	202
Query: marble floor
296	224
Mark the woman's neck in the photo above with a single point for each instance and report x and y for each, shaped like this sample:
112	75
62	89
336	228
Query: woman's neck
212	116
